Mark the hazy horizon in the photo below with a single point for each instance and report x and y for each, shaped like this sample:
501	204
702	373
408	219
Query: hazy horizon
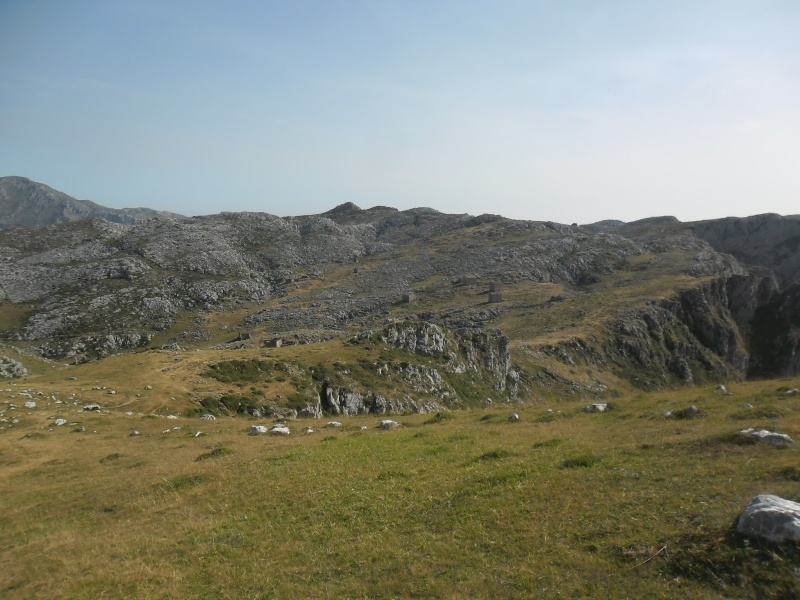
542	110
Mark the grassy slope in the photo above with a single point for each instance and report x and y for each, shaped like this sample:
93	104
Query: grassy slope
473	506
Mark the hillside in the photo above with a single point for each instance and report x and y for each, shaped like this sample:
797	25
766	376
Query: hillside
136	358
407	295
26	203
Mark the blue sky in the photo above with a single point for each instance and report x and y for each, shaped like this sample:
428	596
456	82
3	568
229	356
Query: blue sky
572	111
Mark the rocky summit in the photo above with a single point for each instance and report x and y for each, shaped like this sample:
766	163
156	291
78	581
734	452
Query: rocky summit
433	310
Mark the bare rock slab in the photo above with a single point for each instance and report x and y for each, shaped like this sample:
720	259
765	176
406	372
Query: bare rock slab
771	518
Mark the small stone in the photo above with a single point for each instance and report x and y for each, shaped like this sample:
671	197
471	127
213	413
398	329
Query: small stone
722	388
208	417
112	392
363	427
771	518
333	424
596	408
134	433
30	404
513	418
667	414
309	430
389	424
172	416
793	392
60	422
148	387
747	406
91	407
198	434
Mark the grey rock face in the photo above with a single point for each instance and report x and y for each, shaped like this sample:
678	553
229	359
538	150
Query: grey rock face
12	368
771	518
767	240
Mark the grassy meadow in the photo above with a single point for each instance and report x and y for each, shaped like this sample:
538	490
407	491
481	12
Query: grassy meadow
561	504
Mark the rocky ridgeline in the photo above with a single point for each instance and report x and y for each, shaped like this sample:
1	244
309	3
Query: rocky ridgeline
94	288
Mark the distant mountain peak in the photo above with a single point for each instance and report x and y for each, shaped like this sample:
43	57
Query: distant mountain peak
28	203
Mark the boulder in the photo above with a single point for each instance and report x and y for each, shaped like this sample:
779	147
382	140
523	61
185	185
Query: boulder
91	407
60	422
208	417
389	424
596	408
280	430
771	518
768	437
30	404
333	424
258	430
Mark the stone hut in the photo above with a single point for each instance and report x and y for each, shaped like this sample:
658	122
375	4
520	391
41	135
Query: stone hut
274	343
409	297
495	297
495	286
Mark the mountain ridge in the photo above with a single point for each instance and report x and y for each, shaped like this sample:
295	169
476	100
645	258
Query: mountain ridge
27	203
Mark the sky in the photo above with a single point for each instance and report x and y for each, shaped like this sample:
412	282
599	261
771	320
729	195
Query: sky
560	110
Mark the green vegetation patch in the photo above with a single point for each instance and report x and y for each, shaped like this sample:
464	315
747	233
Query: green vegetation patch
584	460
241	371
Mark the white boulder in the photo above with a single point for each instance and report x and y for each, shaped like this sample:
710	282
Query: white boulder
389	424
280	430
258	430
596	408
768	437
771	518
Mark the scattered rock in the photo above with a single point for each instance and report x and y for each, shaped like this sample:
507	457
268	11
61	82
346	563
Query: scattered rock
514	417
112	392
91	407
258	430
148	387
768	437
60	422
389	424
747	406
333	424
771	518
793	392
309	430
280	430
172	416
721	388
134	433
30	404
596	408
208	417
